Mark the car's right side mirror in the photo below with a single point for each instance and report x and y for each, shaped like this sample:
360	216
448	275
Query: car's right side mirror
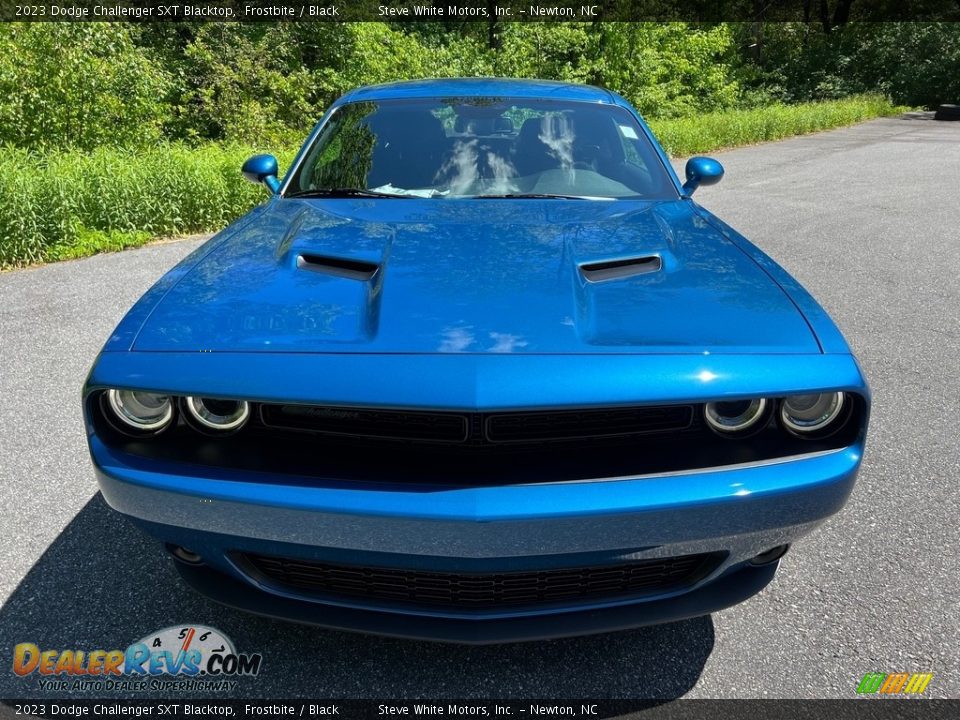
262	169
702	171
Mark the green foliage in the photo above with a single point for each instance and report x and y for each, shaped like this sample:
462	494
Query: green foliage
236	87
730	128
270	83
85	84
113	133
552	51
669	69
90	242
77	85
71	203
664	69
915	63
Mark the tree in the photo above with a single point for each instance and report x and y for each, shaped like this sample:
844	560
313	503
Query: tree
78	85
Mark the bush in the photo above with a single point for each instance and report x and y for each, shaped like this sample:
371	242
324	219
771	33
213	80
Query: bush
664	69
915	63
669	69
239	85
262	83
78	85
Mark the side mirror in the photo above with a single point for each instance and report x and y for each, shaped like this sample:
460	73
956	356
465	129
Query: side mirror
702	171
262	169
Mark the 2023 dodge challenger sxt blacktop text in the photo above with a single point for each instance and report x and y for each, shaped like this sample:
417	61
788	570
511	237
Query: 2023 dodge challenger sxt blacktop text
479	370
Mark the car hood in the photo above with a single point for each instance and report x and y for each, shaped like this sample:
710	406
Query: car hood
476	276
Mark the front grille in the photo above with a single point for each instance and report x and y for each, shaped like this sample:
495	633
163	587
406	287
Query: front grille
539	426
477	428
364	423
398	447
484	590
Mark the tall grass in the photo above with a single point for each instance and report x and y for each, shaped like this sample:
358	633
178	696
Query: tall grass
72	204
731	128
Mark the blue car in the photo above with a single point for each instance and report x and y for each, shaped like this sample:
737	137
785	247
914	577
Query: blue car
479	370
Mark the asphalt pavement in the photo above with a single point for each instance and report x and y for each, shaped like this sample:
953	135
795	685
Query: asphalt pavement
867	218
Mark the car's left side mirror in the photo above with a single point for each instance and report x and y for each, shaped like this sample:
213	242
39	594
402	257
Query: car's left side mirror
262	169
702	171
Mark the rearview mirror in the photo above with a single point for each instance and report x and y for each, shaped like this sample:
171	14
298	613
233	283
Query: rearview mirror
262	169
702	171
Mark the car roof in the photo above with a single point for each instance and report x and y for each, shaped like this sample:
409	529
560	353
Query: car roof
483	87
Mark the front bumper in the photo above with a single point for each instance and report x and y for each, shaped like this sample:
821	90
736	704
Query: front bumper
739	511
734	587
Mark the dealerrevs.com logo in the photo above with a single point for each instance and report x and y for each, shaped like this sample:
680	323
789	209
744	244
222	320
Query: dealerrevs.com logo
180	657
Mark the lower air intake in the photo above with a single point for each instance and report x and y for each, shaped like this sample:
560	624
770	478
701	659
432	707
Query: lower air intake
483	590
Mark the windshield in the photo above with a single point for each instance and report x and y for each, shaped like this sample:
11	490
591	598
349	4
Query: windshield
481	147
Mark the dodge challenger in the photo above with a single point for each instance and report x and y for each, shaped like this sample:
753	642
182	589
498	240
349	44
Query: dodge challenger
479	370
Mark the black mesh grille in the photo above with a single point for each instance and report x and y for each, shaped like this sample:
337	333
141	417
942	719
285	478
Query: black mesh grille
387	424
477	428
538	426
482	590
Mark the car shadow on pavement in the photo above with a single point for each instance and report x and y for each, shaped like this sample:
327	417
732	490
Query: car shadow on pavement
102	584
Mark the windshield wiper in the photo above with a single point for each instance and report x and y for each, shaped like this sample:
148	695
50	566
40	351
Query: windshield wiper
532	196
342	192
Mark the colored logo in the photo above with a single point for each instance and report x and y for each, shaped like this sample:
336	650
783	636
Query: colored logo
894	683
184	652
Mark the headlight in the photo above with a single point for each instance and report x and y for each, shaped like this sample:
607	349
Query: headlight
734	417
811	413
144	411
221	415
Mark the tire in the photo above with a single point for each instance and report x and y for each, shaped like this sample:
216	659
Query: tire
947	112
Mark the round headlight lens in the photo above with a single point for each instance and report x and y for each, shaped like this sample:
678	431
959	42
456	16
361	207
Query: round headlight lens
222	415
734	416
141	410
811	413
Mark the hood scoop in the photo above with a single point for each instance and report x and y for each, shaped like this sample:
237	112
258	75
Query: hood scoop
338	267
618	269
